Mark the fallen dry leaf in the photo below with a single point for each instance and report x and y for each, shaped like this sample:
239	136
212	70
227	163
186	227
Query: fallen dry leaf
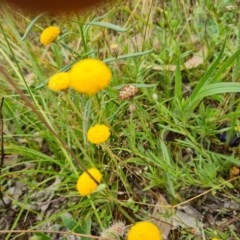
170	218
29	78
162	212
167	67
11	159
197	59
136	42
188	217
193	62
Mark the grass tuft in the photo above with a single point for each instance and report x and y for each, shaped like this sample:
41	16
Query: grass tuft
175	137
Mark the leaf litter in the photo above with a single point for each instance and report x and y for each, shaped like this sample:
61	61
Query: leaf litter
195	61
169	218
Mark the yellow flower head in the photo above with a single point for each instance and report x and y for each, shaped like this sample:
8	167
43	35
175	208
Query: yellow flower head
90	76
49	34
144	231
215	238
98	134
59	81
85	184
237	128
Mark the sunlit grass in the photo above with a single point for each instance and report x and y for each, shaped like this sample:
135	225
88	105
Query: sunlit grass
165	140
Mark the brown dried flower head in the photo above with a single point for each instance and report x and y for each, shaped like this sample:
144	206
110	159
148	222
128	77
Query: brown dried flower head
127	92
114	232
114	50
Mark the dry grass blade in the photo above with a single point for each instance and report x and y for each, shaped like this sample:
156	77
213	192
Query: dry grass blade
2	149
1	131
68	233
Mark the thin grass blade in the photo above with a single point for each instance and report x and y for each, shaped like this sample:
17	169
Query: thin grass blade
30	26
108	25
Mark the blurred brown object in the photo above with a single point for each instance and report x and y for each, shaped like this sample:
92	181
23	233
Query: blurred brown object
234	172
54	6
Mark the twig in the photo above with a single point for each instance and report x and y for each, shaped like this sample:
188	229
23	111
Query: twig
50	232
2	155
229	222
205	192
2	150
1	132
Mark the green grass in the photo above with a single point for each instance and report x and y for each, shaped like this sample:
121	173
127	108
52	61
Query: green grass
167	146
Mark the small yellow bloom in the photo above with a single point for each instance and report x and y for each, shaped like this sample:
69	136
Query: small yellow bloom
144	231
98	134
114	49
59	81
237	128
215	238
85	184
90	76
49	34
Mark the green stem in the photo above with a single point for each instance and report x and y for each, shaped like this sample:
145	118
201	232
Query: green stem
83	38
96	213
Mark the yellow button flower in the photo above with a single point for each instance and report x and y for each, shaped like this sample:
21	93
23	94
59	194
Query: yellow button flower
90	76
49	34
237	128
85	184
144	231
59	81
98	134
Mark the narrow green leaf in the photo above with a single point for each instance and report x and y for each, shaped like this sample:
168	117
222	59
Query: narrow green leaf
167	160
57	53
108	25
42	236
126	56
216	88
205	78
73	226
138	85
31	153
230	61
29	27
101	17
178	81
